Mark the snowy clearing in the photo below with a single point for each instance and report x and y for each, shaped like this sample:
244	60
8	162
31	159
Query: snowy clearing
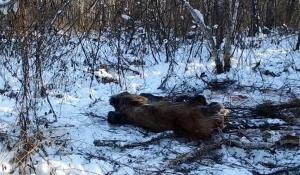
69	145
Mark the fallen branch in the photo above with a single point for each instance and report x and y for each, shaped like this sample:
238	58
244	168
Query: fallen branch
210	146
268	109
248	145
99	156
285	170
94	115
199	152
116	144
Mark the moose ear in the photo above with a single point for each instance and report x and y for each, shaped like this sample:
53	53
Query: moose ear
198	100
201	99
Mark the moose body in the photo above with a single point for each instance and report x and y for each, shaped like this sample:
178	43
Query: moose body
187	119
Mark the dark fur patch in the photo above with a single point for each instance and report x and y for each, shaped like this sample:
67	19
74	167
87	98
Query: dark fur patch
192	119
116	118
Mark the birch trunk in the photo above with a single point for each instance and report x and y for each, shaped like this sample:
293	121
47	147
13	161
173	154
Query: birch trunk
229	36
198	18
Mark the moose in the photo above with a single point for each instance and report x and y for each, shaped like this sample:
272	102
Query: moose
194	118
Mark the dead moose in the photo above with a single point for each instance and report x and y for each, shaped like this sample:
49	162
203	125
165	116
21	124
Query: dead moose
193	119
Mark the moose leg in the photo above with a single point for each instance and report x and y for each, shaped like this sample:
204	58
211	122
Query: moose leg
116	118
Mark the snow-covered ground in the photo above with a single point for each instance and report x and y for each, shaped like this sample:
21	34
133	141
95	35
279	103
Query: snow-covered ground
82	108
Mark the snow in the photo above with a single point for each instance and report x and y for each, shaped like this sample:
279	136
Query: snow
5	6
199	15
3	2
126	17
4	10
84	105
103	73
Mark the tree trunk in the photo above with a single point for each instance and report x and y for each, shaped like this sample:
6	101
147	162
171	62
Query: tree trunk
298	42
255	18
25	66
231	20
269	23
220	10
219	19
290	8
207	11
24	101
40	90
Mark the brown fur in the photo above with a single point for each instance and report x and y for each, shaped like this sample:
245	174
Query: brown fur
191	121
